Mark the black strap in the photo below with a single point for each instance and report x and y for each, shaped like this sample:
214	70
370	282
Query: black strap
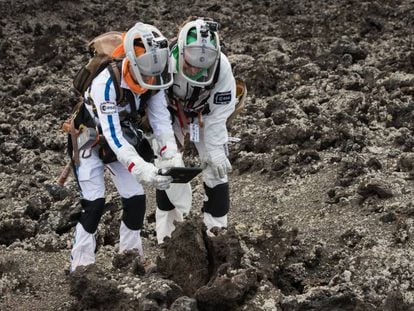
130	98
115	73
194	96
216	76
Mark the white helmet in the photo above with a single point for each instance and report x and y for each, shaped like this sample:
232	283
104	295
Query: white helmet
151	67
199	49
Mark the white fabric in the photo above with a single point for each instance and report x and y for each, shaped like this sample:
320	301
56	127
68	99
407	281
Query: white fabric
128	155
91	181
150	177
211	221
180	195
215	130
167	147
124	181
218	161
90	172
103	94
144	172
159	116
164	224
209	174
130	239
175	161
213	136
83	250
91	178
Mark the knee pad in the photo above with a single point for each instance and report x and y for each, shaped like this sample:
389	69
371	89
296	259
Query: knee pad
91	214
218	200
134	212
163	202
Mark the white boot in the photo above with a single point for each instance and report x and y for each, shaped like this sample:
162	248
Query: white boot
164	223
130	239
211	222
83	250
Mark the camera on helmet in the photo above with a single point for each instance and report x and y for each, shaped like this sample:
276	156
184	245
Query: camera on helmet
209	26
161	43
212	26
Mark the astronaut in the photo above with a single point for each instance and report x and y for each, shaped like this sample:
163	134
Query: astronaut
201	99
143	76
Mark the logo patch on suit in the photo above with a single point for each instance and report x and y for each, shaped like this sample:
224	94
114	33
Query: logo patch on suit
108	108
222	98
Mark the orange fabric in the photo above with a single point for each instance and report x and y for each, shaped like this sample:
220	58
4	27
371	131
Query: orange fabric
134	86
119	52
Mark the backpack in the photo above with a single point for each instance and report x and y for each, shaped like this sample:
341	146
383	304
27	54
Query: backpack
100	49
241	93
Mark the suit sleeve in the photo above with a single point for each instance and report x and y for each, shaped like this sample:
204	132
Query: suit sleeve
222	103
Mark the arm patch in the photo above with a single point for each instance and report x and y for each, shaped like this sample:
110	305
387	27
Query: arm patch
108	107
222	98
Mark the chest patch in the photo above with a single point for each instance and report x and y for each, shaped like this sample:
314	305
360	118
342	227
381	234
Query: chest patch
108	107
222	98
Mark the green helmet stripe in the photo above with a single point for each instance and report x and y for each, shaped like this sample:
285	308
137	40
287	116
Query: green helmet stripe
192	36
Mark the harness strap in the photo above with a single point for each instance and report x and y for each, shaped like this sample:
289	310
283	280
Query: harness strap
194	96
200	119
116	76
73	135
181	116
215	78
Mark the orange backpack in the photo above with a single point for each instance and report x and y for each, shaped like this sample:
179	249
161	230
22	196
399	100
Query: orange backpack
101	49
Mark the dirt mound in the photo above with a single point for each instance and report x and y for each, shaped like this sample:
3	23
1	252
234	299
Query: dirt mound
215	269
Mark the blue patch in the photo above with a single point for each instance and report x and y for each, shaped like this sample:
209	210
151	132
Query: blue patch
222	98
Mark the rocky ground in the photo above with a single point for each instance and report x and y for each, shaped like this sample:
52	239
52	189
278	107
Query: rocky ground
322	211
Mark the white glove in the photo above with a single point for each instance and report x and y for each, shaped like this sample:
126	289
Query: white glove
167	146
175	161
219	163
144	172
148	175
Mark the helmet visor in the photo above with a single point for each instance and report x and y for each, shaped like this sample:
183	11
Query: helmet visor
199	64
200	56
153	69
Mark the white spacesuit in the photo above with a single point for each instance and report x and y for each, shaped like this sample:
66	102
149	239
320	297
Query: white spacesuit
144	69
201	99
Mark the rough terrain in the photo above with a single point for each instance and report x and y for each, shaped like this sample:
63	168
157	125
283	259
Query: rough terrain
322	216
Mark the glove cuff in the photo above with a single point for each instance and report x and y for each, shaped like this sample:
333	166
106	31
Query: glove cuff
128	157
125	154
